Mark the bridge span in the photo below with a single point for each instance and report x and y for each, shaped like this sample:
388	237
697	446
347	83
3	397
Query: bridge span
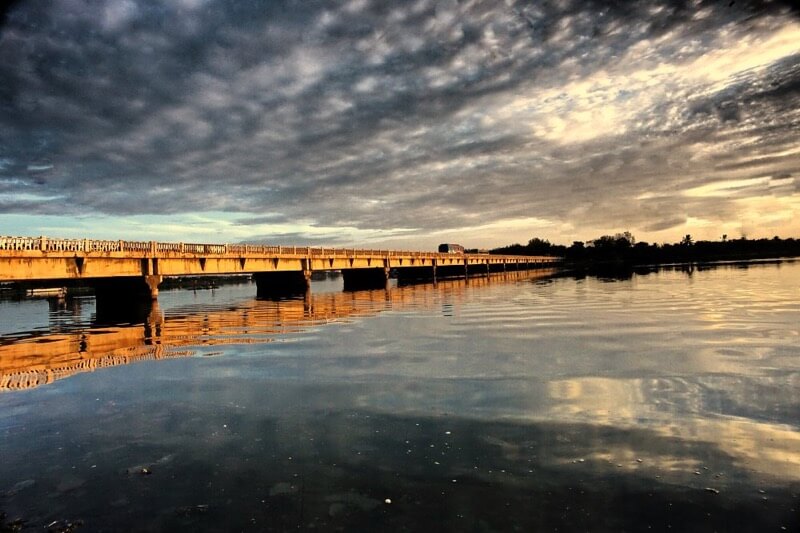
127	271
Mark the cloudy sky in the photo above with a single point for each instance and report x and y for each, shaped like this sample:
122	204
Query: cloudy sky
399	123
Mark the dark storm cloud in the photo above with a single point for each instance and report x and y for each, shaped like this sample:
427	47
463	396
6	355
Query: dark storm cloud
381	115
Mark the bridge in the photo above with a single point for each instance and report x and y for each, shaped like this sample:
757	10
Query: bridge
124	272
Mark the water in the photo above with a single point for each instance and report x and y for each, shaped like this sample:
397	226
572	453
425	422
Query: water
667	401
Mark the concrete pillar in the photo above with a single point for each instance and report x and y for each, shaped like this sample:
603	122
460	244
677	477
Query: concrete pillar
365	278
283	283
152	283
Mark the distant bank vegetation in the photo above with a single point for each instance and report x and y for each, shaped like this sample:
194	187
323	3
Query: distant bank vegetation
622	249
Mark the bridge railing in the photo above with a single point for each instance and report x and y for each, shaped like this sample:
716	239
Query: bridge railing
20	243
103	246
59	245
135	246
205	249
258	249
169	247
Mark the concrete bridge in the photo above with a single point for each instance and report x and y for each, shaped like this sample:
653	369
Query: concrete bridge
124	272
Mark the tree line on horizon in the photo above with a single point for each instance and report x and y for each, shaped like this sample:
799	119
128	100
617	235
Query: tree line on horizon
622	249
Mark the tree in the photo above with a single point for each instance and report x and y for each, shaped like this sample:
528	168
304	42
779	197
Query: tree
537	246
620	241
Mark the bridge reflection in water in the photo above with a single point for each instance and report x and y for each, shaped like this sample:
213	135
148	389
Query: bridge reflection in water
35	360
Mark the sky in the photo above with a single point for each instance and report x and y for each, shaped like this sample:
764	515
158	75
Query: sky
399	124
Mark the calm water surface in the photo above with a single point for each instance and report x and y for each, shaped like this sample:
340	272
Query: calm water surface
666	401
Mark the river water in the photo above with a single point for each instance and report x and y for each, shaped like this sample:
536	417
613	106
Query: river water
665	400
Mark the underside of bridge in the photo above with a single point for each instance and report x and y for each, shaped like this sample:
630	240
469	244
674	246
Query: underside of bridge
478	269
128	298
365	278
451	271
416	273
285	283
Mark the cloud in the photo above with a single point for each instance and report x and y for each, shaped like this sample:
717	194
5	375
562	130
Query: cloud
388	118
661	225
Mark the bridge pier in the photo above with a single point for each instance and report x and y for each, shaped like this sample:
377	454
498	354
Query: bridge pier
365	278
282	283
125	298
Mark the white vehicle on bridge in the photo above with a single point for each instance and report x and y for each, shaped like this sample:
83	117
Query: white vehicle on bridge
451	249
